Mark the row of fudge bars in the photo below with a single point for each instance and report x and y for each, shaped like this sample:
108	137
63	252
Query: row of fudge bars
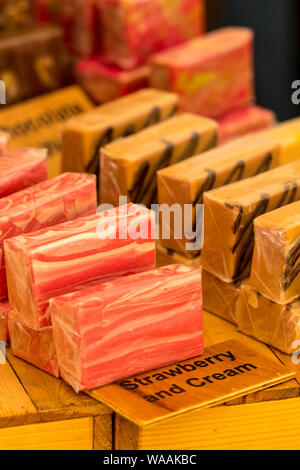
85	301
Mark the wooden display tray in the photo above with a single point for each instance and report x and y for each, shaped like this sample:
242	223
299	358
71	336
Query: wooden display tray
38	411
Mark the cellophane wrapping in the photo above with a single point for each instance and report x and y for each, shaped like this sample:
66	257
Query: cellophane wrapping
4	312
127	326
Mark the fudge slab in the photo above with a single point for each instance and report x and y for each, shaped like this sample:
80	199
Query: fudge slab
133	30
34	346
166	256
244	121
15	14
275	270
4	312
229	213
288	134
130	325
50	202
4	139
219	297
73	255
129	166
21	169
105	83
84	135
274	324
186	182
212	74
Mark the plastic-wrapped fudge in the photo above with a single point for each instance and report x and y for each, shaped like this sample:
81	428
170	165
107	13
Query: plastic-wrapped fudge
34	346
269	322
134	30
4	139
287	133
50	202
229	213
15	14
275	270
21	169
105	83
186	182
166	256
219	297
84	135
212	74
244	121
4	313
32	62
73	255
129	166
114	330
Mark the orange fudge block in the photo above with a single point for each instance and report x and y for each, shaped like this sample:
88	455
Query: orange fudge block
4	312
275	269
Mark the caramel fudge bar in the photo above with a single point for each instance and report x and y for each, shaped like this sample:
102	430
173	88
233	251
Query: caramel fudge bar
274	324
275	270
288	134
186	182
83	136
129	166
229	213
166	256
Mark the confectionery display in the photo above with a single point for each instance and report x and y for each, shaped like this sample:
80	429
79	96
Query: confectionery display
162	313
104	82
50	202
244	121
21	169
269	322
186	182
212	74
129	166
4	312
72	255
229	215
84	136
275	268
34	346
133	30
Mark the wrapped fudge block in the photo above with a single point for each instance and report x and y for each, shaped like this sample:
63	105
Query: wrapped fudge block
129	166
186	182
229	213
275	270
15	14
127	326
4	139
50	202
32	62
105	83
70	256
37	122
166	256
83	136
244	121
21	169
34	346
219	297
212	74
274	324
134	30
4	313
287	134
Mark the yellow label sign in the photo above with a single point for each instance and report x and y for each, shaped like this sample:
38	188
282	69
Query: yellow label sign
225	371
37	122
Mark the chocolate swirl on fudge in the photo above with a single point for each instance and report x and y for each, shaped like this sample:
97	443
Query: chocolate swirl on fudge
292	266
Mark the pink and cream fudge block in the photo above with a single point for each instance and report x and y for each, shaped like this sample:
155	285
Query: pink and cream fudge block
244	121
4	139
132	30
4	312
212	74
21	169
50	202
105	83
34	346
70	256
130	325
